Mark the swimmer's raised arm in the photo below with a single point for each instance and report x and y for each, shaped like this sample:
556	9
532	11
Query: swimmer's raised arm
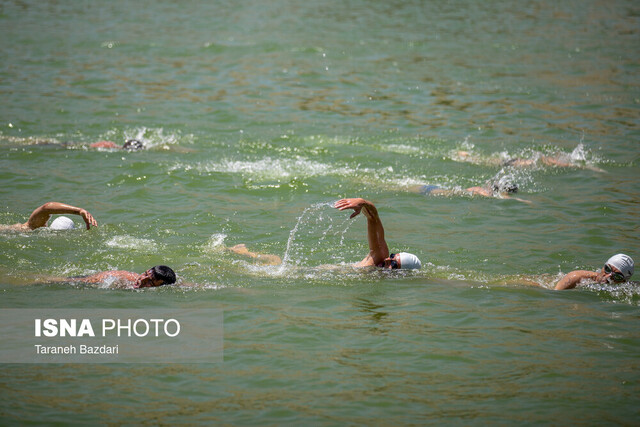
378	249
41	215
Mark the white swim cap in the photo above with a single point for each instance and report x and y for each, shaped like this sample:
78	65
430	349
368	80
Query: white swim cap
409	261
622	262
62	223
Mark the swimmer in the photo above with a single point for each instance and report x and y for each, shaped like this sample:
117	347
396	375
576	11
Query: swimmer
42	214
501	188
378	250
153	277
378	255
617	269
130	145
497	188
558	160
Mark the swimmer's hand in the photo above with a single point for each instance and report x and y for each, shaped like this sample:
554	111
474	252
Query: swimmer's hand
355	204
595	169
89	220
529	202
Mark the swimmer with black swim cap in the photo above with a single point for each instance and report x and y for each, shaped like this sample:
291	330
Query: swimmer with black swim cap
130	145
155	276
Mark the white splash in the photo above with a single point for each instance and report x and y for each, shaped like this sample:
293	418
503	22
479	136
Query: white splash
269	168
151	137
312	221
215	243
130	242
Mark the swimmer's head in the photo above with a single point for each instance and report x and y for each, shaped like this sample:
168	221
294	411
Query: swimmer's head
62	223
156	276
624	264
403	260
409	261
133	145
504	185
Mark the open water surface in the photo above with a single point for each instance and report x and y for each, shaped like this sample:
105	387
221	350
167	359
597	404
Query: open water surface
257	116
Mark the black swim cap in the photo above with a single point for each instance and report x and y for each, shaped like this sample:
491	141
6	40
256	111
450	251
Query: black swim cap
133	144
505	185
164	273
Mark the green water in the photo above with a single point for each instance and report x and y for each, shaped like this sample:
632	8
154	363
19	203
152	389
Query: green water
257	116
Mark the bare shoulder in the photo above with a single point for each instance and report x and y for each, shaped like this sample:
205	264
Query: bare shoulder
110	275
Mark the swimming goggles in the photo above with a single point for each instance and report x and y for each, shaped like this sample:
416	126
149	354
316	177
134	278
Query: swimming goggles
618	277
393	263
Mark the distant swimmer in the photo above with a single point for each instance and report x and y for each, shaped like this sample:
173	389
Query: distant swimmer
130	145
559	160
378	250
617	269
378	255
42	214
501	188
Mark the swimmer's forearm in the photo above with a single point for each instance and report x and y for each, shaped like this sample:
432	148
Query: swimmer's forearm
369	210
60	208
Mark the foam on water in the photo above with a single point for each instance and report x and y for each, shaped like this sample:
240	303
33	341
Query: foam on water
403	149
130	242
269	168
215	244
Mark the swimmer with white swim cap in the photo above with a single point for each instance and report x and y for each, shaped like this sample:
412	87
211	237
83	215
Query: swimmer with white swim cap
378	250
618	269
41	215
